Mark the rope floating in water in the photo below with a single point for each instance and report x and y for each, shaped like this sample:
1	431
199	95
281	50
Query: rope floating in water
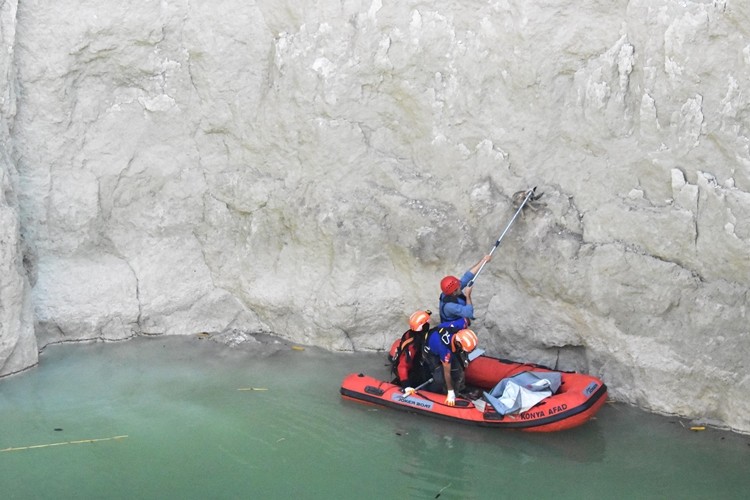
252	389
80	441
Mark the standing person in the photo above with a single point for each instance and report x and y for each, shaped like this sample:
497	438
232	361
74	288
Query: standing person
455	301
443	356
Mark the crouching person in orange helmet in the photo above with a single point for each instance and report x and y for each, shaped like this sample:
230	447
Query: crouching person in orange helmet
445	356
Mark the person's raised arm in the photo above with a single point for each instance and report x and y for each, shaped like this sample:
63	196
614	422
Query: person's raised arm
476	266
467	294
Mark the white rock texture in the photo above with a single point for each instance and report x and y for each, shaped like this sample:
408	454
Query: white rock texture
18	345
312	169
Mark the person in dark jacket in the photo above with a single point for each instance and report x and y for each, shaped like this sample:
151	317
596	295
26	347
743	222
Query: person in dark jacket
444	357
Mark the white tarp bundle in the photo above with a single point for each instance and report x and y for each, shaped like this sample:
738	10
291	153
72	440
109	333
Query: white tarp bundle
520	392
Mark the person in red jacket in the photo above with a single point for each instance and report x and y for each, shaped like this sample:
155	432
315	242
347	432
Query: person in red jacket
407	358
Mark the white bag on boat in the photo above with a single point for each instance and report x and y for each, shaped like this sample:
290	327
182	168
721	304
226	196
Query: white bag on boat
521	392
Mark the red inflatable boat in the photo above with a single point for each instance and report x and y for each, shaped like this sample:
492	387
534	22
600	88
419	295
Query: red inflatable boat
575	402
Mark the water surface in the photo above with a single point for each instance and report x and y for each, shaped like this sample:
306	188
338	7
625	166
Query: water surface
171	422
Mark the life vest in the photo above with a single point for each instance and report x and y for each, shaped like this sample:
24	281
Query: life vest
405	353
448	299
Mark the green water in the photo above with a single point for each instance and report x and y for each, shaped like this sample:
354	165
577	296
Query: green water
192	434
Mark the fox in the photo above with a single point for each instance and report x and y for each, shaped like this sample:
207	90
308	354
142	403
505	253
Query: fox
533	202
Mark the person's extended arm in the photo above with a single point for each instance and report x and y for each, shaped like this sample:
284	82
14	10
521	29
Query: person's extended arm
469	275
476	266
450	400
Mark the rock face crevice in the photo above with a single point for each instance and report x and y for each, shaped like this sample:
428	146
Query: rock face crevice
311	171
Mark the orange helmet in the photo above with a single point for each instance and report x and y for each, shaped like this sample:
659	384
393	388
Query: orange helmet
418	320
467	339
450	284
394	348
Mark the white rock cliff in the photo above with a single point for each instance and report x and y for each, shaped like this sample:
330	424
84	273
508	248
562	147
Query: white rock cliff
312	169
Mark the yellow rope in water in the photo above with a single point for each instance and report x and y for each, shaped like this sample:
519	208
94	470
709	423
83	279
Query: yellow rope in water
80	441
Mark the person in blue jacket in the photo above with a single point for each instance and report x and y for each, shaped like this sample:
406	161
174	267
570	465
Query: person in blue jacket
444	357
455	299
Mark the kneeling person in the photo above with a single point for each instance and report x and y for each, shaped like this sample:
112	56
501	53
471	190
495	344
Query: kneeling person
444	354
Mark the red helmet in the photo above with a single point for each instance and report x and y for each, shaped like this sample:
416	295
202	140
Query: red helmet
467	339
450	284
418	320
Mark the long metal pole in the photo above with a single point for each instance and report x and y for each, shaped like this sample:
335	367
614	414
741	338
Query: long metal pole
497	243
